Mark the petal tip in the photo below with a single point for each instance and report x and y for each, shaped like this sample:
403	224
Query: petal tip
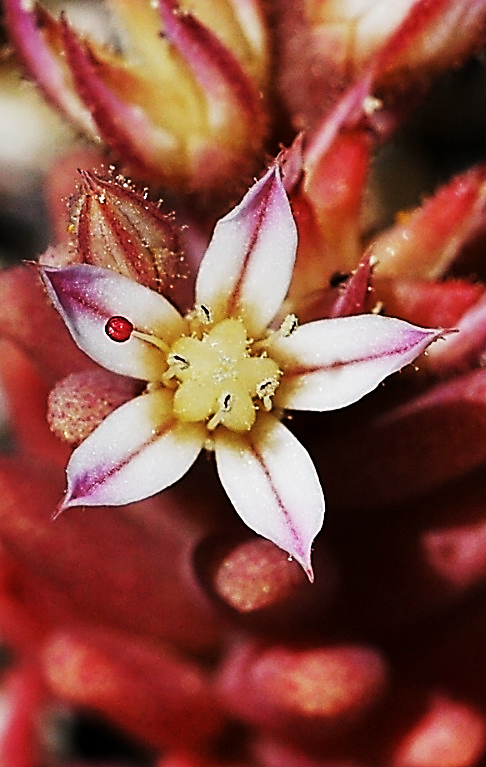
63	504
303	557
307	567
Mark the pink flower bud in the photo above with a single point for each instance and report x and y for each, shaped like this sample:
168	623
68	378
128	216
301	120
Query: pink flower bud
156	695
303	694
182	104
449	734
79	403
115	226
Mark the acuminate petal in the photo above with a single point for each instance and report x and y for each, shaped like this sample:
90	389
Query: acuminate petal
88	296
329	364
248	265
273	485
137	451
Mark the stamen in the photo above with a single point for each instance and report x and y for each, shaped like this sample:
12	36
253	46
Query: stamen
176	363
287	328
289	325
204	314
225	405
153	340
200	315
119	329
265	391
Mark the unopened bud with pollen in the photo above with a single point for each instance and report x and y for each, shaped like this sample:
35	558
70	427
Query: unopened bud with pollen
116	227
78	404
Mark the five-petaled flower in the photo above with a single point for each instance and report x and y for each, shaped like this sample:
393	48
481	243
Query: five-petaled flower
221	377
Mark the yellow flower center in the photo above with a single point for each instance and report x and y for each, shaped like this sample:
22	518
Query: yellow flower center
218	374
220	378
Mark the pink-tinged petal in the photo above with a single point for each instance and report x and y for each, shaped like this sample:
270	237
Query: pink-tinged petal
88	296
273	485
329	364
352	299
216	70
434	36
425	243
429	304
42	64
430	441
466	348
248	265
327	206
137	451
125	127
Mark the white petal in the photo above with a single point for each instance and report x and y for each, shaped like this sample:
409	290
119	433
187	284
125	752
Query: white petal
273	485
87	296
248	265
329	364
137	451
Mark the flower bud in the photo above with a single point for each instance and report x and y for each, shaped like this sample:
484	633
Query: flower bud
114	226
154	693
449	734
181	105
256	575
326	46
81	401
304	694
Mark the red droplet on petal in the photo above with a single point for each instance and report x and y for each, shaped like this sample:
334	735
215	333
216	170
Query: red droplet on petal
118	329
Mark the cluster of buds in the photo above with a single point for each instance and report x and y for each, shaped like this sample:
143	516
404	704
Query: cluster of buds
217	622
180	104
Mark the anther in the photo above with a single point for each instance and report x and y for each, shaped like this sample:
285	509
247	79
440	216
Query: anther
119	329
203	314
176	364
226	402
289	325
265	391
178	361
225	405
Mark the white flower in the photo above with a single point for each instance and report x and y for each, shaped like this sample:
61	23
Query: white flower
221	377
